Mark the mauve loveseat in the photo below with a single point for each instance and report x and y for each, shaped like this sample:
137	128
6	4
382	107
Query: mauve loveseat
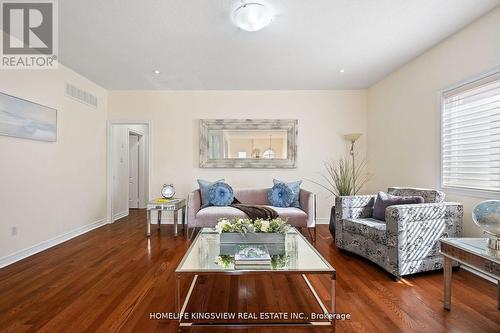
303	217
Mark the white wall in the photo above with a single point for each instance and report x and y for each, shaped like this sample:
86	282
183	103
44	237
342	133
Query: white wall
50	189
324	116
119	167
403	110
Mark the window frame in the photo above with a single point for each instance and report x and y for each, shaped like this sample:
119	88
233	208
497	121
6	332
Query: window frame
463	191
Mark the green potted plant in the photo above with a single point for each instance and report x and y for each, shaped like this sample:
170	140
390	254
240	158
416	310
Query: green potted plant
249	231
342	178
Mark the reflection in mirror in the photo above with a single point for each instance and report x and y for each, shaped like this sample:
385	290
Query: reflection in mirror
247	144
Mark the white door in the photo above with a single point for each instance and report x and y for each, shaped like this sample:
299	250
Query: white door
133	192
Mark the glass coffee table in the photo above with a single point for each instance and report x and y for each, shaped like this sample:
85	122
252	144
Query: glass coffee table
207	256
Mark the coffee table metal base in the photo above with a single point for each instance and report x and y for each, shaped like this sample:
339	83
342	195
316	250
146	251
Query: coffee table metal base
181	306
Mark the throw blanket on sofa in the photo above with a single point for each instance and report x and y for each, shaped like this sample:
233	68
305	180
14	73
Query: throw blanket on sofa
255	211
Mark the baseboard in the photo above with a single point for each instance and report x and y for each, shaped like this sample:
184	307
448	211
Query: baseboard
322	220
473	271
16	256
120	215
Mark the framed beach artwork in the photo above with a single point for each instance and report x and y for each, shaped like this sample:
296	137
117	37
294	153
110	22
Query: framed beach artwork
24	119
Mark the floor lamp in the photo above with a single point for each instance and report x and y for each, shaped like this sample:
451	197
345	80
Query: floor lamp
352	138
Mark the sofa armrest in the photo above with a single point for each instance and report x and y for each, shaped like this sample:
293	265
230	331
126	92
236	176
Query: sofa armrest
308	204
193	206
347	207
415	229
401	215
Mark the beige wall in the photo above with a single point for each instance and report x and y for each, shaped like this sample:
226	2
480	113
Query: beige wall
403	110
51	188
323	117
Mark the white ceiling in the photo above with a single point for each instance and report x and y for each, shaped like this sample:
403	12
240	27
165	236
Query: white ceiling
118	43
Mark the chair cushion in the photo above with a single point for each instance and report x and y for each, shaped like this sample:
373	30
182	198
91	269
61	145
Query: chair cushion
207	217
385	200
368	227
295	216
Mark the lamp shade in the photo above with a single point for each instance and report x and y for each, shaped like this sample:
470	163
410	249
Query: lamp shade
352	137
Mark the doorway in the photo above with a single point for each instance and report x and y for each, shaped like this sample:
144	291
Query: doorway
128	171
134	158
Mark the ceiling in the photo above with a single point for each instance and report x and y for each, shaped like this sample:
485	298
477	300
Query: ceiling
118	43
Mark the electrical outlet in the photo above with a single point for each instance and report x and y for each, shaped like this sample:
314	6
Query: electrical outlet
13	231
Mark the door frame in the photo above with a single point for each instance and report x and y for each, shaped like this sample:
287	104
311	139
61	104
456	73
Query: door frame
109	169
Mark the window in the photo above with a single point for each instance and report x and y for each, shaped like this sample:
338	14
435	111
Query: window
470	135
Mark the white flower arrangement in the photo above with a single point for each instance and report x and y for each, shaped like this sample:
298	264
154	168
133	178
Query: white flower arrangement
244	226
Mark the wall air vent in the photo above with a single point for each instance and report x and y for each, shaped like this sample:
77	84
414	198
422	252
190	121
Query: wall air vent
81	95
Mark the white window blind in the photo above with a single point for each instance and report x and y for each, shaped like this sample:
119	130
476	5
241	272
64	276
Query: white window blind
470	135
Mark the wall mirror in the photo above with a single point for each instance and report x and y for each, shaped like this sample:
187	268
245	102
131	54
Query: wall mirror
248	143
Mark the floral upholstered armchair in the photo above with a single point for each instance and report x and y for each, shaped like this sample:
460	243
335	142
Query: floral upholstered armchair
407	241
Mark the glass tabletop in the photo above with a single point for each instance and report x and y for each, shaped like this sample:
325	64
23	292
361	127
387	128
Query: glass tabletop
477	246
206	255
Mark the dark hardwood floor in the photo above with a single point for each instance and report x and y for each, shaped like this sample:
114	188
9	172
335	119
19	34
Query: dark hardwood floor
112	278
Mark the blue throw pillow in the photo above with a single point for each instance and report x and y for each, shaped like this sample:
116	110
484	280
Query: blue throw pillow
220	194
295	187
204	185
280	195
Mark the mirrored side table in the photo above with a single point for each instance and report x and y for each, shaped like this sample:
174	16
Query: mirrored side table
173	206
473	253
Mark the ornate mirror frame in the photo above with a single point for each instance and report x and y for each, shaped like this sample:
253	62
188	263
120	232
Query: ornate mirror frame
290	125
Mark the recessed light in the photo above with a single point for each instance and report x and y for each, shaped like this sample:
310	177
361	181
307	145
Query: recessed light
252	16
156	72
341	70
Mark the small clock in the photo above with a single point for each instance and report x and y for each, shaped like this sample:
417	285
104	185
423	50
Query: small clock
168	191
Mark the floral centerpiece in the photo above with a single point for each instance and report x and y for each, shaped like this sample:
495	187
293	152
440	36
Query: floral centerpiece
252	231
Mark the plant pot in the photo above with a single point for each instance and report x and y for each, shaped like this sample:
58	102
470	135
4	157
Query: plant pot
332	221
274	249
252	238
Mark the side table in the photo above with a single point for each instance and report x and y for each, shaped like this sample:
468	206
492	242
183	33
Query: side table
173	205
473	253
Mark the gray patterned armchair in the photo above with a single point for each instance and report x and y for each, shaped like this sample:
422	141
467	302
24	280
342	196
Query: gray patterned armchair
407	242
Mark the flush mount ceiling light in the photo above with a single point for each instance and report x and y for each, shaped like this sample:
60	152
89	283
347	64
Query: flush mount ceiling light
252	16
157	72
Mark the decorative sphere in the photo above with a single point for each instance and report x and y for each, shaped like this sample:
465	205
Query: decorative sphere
486	215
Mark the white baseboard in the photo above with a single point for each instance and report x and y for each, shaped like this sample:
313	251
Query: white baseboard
120	215
322	220
16	256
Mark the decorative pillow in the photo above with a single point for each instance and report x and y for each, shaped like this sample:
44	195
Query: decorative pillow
220	194
385	200
204	185
281	195
295	187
